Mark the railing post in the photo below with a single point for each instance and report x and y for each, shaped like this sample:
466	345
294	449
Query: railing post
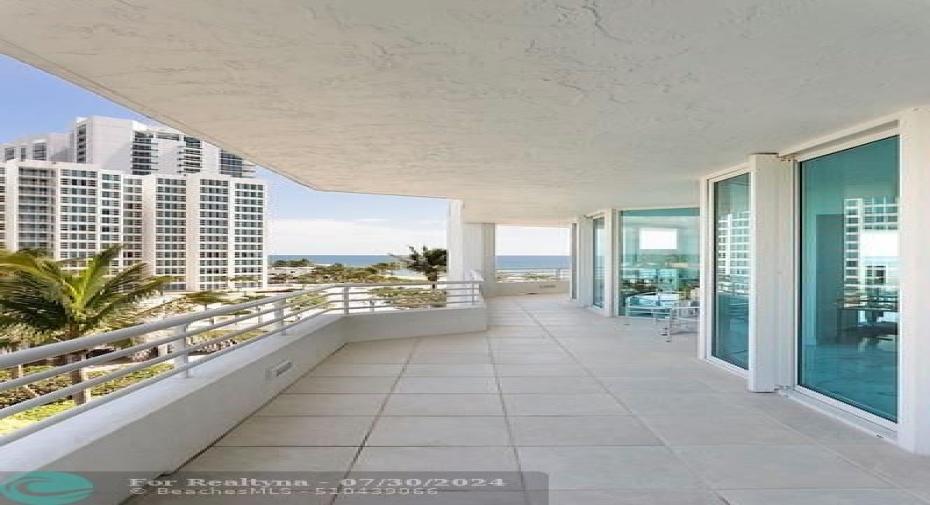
345	299
279	316
180	345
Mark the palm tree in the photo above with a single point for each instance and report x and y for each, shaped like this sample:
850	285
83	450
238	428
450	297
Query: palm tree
44	301
205	299
429	262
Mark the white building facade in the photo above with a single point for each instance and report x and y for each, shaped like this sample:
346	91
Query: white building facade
185	207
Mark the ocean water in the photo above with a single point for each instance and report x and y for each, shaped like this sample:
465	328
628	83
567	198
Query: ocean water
503	262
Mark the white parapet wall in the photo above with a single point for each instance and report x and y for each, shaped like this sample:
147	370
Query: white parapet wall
157	429
414	323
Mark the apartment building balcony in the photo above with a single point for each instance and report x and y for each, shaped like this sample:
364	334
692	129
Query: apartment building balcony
592	410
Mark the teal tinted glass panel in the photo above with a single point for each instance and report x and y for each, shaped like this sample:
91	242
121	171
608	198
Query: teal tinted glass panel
659	263
848	338
600	261
731	270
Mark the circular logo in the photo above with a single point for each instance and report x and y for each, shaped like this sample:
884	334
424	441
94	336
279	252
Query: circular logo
46	488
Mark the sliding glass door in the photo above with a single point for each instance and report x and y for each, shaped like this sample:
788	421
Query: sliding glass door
659	264
731	229
599	261
848	328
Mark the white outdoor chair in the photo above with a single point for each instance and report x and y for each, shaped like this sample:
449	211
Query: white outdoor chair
683	316
651	304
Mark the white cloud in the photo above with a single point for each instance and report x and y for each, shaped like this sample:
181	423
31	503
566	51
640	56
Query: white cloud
348	236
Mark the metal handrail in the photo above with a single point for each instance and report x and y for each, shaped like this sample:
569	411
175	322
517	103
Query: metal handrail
60	348
288	310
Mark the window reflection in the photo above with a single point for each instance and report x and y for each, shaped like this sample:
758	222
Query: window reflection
659	265
731	270
600	261
849	276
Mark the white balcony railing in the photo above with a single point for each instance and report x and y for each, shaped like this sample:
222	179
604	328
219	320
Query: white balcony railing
181	341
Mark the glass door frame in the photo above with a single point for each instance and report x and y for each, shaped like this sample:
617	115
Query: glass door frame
604	308
824	148
617	244
708	269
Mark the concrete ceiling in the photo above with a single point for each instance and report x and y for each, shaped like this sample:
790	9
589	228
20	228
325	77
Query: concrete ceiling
531	111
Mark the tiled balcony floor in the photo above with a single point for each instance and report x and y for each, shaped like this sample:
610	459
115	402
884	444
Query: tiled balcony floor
610	411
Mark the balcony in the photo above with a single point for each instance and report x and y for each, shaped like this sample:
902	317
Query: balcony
606	408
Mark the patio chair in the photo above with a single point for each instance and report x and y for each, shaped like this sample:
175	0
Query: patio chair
651	304
683	316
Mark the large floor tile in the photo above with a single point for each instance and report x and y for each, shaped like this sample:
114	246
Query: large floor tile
681	404
299	431
819	497
418	431
551	385
723	430
609	467
580	430
655	385
356	370
440	358
342	385
632	497
383	345
476	346
900	467
540	371
607	366
514	358
441	498
818	426
436	459
773	467
923	492
444	405
244	499
446	385
323	405
370	357
563	405
448	370
272	459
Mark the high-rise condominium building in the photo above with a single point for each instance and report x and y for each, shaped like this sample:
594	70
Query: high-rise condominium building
127	145
185	207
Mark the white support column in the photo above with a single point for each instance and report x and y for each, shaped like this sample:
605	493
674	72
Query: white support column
611	272
772	272
471	246
585	265
913	344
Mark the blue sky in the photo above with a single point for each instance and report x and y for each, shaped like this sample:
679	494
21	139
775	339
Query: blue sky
301	220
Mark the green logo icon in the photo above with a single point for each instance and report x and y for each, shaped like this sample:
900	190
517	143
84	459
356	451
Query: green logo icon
46	488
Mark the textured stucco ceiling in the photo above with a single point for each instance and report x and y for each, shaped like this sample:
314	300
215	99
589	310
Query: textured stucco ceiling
531	111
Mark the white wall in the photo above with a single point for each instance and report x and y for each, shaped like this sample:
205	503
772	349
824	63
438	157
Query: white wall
414	323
